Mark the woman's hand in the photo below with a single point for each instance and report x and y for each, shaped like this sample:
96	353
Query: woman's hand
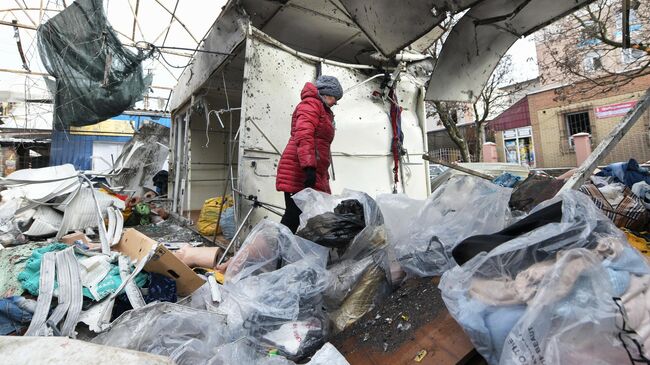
310	177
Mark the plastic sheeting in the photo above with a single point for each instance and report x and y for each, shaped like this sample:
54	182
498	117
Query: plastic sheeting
464	206
313	203
546	296
268	246
360	274
272	291
187	335
399	211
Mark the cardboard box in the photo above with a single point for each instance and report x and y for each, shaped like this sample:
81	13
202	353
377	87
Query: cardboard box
137	245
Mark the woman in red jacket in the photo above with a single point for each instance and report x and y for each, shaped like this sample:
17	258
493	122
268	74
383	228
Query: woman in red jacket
306	158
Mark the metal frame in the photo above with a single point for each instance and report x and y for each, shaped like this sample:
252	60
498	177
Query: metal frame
44	10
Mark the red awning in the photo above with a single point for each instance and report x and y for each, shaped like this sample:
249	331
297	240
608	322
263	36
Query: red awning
514	117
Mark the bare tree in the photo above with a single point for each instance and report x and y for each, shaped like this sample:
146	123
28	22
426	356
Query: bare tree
494	98
587	48
447	113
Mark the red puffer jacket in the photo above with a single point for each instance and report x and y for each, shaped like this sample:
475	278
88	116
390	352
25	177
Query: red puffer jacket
312	132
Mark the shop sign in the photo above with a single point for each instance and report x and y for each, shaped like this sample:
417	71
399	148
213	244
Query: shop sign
614	110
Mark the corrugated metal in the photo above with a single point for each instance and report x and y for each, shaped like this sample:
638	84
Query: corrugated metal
516	116
76	149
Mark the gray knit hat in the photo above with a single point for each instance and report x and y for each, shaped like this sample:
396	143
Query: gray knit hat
329	85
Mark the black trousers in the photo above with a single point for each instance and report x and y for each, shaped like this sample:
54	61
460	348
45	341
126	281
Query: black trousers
291	217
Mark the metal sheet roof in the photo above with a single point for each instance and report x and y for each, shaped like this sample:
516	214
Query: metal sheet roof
516	116
392	25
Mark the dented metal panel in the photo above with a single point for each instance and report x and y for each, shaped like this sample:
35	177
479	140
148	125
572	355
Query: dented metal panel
481	38
225	35
392	25
361	148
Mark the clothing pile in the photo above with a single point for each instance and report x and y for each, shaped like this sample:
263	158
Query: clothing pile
622	191
561	286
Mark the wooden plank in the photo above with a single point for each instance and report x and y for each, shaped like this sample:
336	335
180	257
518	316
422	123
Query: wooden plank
606	145
434	331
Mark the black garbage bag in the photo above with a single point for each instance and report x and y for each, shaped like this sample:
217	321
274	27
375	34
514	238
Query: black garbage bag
335	229
533	191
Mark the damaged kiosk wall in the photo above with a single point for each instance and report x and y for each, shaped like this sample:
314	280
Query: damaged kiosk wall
272	77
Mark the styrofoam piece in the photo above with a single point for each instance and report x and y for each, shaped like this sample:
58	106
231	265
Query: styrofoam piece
93	270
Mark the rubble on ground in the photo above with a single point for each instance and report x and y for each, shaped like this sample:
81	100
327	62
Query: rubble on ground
474	271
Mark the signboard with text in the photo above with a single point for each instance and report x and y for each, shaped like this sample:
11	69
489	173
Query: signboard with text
614	110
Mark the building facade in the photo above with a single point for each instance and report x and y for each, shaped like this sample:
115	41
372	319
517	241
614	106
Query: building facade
585	86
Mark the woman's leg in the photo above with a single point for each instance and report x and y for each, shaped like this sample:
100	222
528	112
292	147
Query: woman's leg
291	217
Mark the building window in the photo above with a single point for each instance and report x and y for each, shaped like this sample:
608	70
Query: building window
631	55
635	24
577	123
592	62
588	34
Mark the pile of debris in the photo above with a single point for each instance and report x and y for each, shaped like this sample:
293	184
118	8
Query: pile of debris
525	272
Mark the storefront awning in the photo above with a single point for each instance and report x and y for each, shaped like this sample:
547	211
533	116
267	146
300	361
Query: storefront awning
514	117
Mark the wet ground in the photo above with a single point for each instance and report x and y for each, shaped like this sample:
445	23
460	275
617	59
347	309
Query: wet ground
395	320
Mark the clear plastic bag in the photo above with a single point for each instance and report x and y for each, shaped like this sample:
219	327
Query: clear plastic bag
569	324
373	285
243	351
186	335
464	206
539	279
399	211
313	203
258	306
274	282
359	272
267	247
344	276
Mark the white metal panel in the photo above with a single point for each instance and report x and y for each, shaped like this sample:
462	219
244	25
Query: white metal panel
479	40
104	154
273	80
392	25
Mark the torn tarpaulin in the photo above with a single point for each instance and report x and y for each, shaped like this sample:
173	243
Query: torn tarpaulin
96	77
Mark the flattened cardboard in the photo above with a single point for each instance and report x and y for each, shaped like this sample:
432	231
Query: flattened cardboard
137	245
